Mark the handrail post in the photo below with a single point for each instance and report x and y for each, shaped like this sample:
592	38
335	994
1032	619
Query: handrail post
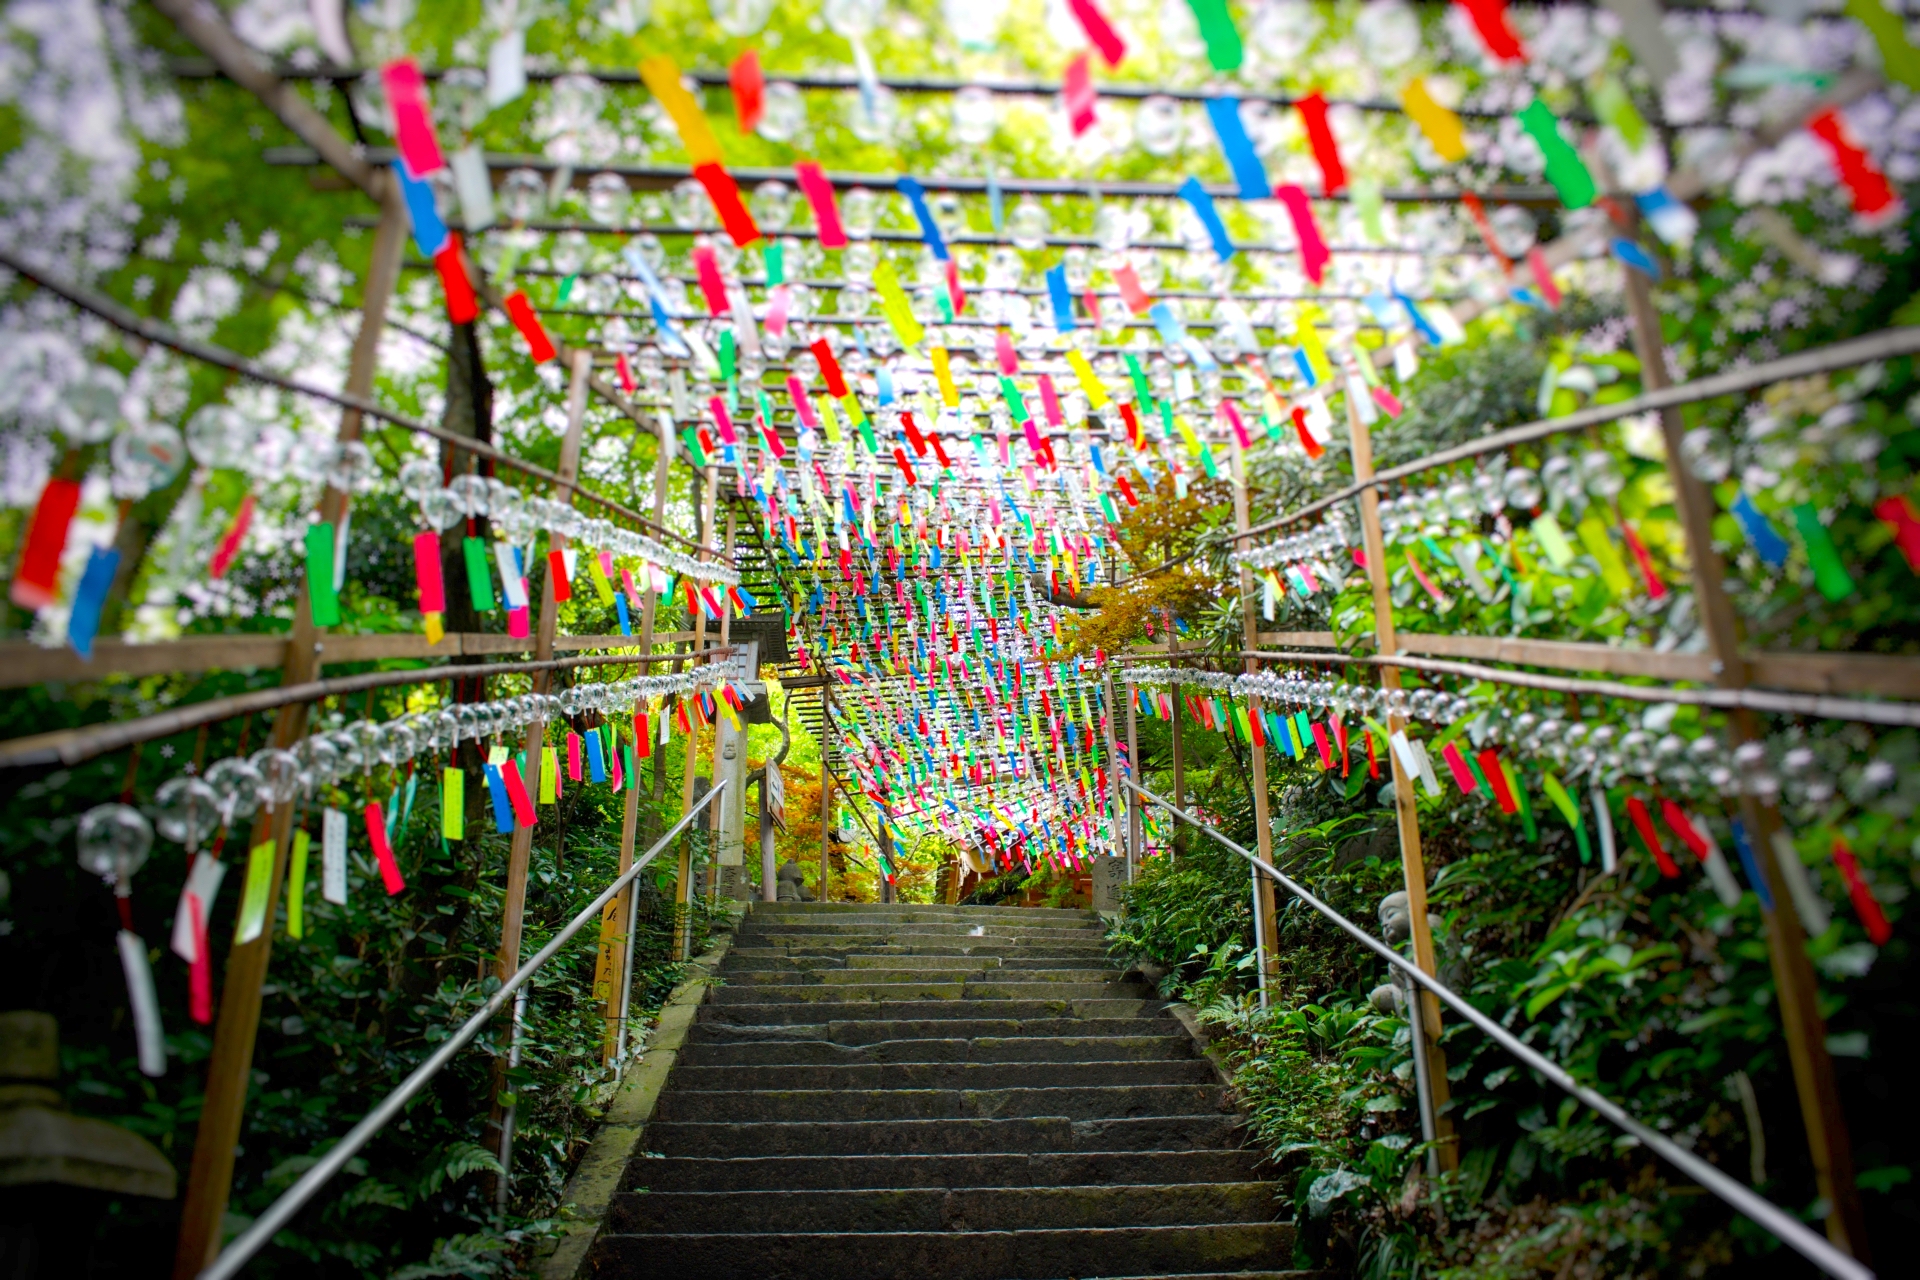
1405	805
1265	913
503	1186
1821	1113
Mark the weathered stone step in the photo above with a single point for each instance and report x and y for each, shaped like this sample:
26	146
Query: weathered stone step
910	911
916	932
957	1135
766	961
944	1075
948	1255
747	1012
1087	1102
1042	1050
718	1028
960	972
942	1209
995	1169
995	989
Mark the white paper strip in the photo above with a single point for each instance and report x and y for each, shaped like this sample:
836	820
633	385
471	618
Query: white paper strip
203	882
333	856
148	1040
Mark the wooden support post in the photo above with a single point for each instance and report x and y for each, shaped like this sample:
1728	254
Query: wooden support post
826	777
1406	811
1267	924
1828	1141
683	872
230	1068
618	920
1136	817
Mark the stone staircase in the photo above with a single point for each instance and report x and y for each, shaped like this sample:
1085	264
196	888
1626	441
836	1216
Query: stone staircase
943	1093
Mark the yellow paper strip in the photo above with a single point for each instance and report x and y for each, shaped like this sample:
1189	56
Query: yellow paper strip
829	419
453	804
893	300
663	77
1308	339
944	372
549	772
1441	126
1089	381
601	586
1593	535
297	884
432	625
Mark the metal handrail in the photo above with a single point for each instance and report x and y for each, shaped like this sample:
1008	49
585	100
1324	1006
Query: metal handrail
1790	1230
249	1242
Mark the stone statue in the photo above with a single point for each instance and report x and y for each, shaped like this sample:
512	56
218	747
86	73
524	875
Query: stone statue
791	884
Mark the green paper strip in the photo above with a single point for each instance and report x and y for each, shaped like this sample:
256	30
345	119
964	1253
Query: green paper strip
1224	52
1898	58
1143	398
1829	574
1546	530
297	885
728	366
253	898
566	287
1612	104
774	258
1565	169
322	600
1568	810
1365	194
479	580
1016	404
1593	535
453	804
1520	798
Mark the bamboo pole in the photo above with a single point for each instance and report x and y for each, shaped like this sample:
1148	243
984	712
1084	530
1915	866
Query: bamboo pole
1828	1140
683	872
1406	810
230	1068
1266	905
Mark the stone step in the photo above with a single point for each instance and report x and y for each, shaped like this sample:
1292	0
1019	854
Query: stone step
942	1209
912	911
969	946
909	991
766	961
943	1075
1086	1102
950	1136
996	1169
785	1054
726	1027
748	1012
915	932
949	1255
959	972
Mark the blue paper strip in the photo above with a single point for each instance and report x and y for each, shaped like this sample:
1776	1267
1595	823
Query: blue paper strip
1636	257
929	230
1169	326
1202	205
429	232
502	807
1418	320
1752	868
1766	540
1305	366
1063	320
89	598
620	606
1238	149
596	763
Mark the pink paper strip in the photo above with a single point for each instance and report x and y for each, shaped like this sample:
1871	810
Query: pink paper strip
382	851
707	267
426	572
1313	247
1050	402
801	405
826	214
722	420
412	122
1078	96
1462	776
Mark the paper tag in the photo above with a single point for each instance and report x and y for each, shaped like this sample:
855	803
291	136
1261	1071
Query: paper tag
203	882
148	1039
506	67
333	856
253	895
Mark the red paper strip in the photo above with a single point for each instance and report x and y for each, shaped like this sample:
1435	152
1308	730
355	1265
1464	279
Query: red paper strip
1490	20
1643	823
1326	747
829	368
1100	32
1497	779
223	555
914	437
200	972
1871	191
642	736
706	269
1130	291
1313	114
1313	447
426	572
412	121
557	567
725	195
1482	224
1655	588
1373	761
826	214
1313	247
462	306
621	367
383	851
1898	512
520	311
517	793
1683	827
1126	490
906	468
1543	276
955	294
1077	94
749	90
37	581
1861	892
